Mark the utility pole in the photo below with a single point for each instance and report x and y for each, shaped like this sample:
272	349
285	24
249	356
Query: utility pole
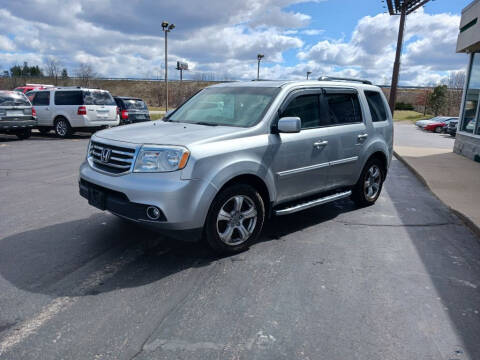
402	8
308	74
166	27
259	58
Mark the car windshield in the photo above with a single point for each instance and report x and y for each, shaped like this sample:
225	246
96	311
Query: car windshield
98	98
135	104
13	99
230	106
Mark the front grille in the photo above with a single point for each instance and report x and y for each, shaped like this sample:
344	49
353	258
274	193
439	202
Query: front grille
119	159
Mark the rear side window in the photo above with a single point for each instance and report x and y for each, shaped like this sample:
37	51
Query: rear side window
344	108
68	98
12	98
98	98
376	105
42	98
307	108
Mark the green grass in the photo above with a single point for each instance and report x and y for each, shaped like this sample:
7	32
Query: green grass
156	116
408	115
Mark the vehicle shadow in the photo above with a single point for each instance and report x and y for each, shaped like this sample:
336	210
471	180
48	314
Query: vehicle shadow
57	259
36	136
450	254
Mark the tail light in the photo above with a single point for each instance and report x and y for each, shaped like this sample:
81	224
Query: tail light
34	112
82	110
118	111
124	115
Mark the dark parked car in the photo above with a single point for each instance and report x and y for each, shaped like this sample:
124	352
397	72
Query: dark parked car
17	115
131	110
452	127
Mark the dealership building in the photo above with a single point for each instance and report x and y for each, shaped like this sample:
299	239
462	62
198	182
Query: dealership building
467	141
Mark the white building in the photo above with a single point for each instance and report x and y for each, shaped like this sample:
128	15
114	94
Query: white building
467	141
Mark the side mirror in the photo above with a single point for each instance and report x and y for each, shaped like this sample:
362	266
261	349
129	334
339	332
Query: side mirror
290	124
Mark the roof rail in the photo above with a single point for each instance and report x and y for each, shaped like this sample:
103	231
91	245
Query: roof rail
331	78
68	87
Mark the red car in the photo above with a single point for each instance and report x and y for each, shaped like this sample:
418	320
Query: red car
436	126
29	87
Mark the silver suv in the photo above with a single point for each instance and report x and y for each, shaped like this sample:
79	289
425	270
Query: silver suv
236	153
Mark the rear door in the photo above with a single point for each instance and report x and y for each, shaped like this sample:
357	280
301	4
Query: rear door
348	134
137	110
301	159
66	104
41	102
100	105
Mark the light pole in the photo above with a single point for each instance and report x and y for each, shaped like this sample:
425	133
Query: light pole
259	58
308	74
402	8
166	27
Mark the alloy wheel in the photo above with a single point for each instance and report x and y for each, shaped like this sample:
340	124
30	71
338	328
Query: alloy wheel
236	220
373	179
61	128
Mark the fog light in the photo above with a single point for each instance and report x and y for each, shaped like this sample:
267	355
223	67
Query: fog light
153	213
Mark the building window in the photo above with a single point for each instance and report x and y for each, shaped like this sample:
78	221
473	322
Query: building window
470	111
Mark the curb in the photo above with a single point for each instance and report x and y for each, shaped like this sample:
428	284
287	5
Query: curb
464	218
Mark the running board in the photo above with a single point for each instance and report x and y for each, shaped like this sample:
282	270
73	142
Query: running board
312	203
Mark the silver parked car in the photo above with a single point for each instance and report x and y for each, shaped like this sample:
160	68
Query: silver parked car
17	116
237	153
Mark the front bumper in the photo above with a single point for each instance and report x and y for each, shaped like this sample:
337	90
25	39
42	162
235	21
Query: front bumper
184	203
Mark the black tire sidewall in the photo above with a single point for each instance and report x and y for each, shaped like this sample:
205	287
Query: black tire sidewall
69	128
358	193
24	134
210	232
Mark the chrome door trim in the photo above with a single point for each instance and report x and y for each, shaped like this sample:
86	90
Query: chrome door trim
303	169
344	161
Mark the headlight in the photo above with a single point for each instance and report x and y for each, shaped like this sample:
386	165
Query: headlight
161	159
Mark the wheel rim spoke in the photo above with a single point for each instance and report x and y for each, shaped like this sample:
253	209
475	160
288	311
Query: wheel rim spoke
244	233
238	203
224	216
250	213
226	236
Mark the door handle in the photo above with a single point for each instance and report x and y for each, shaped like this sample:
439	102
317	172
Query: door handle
319	144
362	136
47	109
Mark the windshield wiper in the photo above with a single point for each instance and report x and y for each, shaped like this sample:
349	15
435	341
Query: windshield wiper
205	123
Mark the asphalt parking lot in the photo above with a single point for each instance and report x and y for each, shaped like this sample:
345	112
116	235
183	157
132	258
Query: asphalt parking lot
398	280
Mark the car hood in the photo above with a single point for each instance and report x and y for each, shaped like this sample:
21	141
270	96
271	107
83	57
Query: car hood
169	133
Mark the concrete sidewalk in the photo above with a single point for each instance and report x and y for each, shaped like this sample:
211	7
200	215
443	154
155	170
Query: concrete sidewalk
454	179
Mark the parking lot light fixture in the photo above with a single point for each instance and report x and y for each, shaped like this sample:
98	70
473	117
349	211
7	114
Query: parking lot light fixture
166	27
308	74
259	58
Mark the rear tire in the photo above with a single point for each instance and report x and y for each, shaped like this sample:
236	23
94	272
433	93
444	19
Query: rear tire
63	128
24	134
235	219
369	186
44	130
438	129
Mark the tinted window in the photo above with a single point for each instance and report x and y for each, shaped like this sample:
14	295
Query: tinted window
68	98
307	108
12	98
42	98
135	104
230	106
344	108
376	105
98	97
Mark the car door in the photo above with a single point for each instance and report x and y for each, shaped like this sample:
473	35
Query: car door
301	161
41	103
348	134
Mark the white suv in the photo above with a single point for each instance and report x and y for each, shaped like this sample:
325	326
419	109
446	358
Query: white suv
70	109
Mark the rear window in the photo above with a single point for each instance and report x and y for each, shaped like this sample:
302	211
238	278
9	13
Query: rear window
98	98
68	98
13	99
135	104
376	105
344	108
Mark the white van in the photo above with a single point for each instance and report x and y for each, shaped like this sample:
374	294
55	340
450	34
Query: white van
70	109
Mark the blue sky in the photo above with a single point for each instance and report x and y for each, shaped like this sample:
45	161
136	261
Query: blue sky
221	38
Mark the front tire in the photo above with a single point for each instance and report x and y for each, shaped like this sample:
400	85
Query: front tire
235	219
63	128
438	130
368	188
